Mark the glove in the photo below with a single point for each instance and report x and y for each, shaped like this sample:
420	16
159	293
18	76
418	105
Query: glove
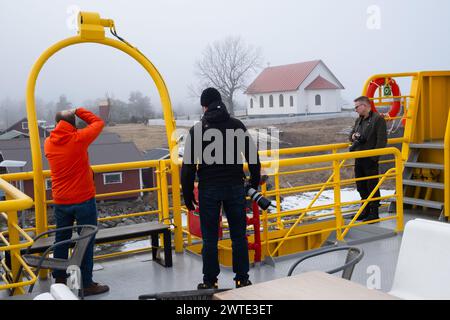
190	202
254	184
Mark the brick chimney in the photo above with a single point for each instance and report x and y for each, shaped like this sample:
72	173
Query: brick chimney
104	109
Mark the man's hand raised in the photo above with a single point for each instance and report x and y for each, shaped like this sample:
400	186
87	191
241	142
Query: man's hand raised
69	112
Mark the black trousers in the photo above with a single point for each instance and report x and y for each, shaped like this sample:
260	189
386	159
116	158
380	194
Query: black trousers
210	200
366	167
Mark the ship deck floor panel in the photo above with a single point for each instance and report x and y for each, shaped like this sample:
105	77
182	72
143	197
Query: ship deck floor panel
134	275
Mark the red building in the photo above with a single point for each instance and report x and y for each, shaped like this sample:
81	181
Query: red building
107	149
22	126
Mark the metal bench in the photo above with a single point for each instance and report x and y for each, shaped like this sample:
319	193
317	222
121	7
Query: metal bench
201	294
151	229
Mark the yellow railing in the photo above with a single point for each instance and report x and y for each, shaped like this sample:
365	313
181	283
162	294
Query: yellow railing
163	207
426	115
288	220
447	169
335	182
91	29
319	148
19	201
410	103
11	244
277	192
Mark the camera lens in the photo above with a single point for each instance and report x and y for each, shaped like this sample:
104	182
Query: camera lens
256	196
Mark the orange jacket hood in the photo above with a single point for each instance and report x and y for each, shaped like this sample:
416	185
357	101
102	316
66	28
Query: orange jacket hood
62	133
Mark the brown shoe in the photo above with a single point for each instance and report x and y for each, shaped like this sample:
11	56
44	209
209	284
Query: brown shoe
95	288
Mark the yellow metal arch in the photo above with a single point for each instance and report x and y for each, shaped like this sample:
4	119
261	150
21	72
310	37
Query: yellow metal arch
91	30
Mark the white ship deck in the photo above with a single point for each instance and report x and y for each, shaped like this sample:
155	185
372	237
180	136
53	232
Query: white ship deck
135	275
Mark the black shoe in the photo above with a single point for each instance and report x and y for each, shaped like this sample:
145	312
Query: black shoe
362	216
207	285
243	283
373	215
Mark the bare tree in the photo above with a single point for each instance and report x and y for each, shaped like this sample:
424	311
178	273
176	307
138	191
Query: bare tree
140	106
226	65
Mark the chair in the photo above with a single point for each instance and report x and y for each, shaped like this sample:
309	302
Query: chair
81	242
354	255
202	294
423	265
58	291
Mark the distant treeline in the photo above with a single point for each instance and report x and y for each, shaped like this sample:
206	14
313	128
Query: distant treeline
138	108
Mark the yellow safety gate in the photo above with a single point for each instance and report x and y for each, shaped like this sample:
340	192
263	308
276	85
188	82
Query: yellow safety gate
426	87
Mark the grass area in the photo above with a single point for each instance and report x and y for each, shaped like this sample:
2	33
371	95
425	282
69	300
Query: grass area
317	132
144	137
292	135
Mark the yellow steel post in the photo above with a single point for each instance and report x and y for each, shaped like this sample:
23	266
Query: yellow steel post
411	115
337	198
14	239
447	169
189	236
162	210
164	193
266	251
176	202
278	198
399	191
90	32
159	191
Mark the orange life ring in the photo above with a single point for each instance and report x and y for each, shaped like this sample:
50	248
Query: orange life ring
375	84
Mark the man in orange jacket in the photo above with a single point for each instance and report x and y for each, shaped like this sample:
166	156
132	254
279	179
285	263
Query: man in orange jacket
73	188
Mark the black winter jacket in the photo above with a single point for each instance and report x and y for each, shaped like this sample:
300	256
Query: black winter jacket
373	130
202	145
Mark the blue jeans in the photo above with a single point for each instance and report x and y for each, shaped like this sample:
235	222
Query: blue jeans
66	215
233	200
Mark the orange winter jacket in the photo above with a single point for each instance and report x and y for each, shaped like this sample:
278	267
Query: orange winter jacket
66	150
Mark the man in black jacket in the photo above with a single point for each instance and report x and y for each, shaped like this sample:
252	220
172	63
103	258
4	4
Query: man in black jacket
214	151
369	132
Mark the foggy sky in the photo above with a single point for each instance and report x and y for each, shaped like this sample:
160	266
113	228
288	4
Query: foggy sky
412	36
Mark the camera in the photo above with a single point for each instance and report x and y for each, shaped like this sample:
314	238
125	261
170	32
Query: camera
359	140
256	196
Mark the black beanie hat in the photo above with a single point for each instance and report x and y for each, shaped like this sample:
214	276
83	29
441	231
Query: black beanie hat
208	96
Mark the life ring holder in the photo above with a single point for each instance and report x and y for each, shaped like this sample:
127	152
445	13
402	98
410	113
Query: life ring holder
395	91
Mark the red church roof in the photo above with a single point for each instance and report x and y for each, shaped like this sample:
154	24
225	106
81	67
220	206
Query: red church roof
321	83
289	78
282	78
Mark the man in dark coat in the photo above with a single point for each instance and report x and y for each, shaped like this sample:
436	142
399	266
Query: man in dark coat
369	132
214	151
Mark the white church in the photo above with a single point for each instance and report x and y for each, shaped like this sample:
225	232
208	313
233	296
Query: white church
294	89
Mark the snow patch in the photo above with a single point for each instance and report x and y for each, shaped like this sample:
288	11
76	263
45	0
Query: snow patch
289	203
326	198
